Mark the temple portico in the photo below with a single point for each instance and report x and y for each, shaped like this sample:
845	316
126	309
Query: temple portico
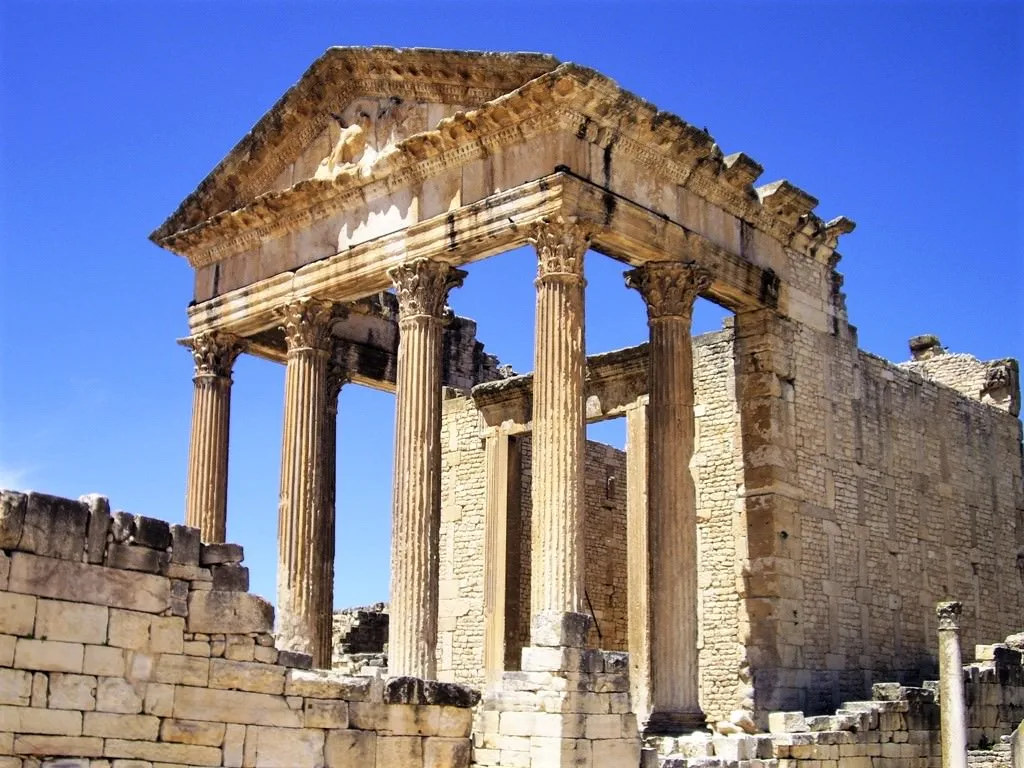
328	241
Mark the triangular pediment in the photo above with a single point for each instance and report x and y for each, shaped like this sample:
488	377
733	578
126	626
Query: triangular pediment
351	105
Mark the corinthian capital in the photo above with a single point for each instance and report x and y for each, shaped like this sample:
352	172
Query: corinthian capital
669	287
561	244
422	287
214	353
949	614
306	323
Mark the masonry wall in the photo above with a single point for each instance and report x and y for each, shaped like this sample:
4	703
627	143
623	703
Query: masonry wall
909	493
123	639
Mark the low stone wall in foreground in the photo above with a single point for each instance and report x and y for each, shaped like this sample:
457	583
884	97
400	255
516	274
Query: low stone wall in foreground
126	643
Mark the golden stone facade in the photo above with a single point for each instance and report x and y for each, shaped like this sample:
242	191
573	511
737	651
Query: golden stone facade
792	507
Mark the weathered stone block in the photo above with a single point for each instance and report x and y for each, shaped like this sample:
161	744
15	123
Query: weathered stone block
219	612
185	545
413	690
15	687
231	577
114	726
181	754
787	722
283	747
325	713
99	525
295	659
115	694
239	648
72	691
129	629
221	706
48	655
246	676
103	660
234	745
325	684
54	527
344	749
59	722
83	583
455	722
399	750
557	629
220	554
441	752
122	526
166	634
194	732
12	518
71	622
152	533
131	557
17	614
182	670
83	746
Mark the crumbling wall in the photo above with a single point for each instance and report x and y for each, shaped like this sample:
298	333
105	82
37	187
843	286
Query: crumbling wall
908	492
124	639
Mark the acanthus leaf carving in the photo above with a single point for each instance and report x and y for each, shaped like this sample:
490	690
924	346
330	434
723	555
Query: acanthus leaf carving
948	614
669	288
306	323
422	287
214	353
561	244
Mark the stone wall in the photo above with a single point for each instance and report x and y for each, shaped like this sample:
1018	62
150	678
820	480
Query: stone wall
908	492
125	642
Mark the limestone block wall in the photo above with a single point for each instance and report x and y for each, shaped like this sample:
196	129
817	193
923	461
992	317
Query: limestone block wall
124	641
909	492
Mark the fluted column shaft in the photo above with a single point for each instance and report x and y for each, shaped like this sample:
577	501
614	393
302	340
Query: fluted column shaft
422	287
670	289
559	428
336	378
301	506
206	494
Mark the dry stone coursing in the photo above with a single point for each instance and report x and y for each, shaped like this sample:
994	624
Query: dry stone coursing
161	665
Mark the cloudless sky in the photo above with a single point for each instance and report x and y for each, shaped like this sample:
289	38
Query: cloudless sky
906	117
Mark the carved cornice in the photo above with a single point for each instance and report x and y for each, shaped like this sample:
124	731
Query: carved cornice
306	323
669	288
569	98
214	353
949	615
561	244
422	287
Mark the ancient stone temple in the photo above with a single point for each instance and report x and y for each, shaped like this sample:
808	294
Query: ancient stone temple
787	513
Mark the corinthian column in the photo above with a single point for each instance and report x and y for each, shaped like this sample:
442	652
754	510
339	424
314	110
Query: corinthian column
206	494
670	289
422	287
952	707
559	434
306	325
337	377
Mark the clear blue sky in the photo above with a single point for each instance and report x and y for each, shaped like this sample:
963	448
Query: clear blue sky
906	117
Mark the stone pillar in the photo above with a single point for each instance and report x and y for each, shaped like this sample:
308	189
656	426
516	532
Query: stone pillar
422	287
306	325
637	559
206	495
337	377
559	431
952	708
496	513
670	290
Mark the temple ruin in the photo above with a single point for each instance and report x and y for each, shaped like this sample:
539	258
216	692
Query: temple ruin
770	546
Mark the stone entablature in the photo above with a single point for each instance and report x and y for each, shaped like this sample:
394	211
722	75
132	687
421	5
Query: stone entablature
125	639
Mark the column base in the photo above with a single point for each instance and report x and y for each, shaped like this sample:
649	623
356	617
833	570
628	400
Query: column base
557	629
674	723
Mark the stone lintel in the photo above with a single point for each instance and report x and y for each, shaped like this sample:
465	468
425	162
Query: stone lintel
632	234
